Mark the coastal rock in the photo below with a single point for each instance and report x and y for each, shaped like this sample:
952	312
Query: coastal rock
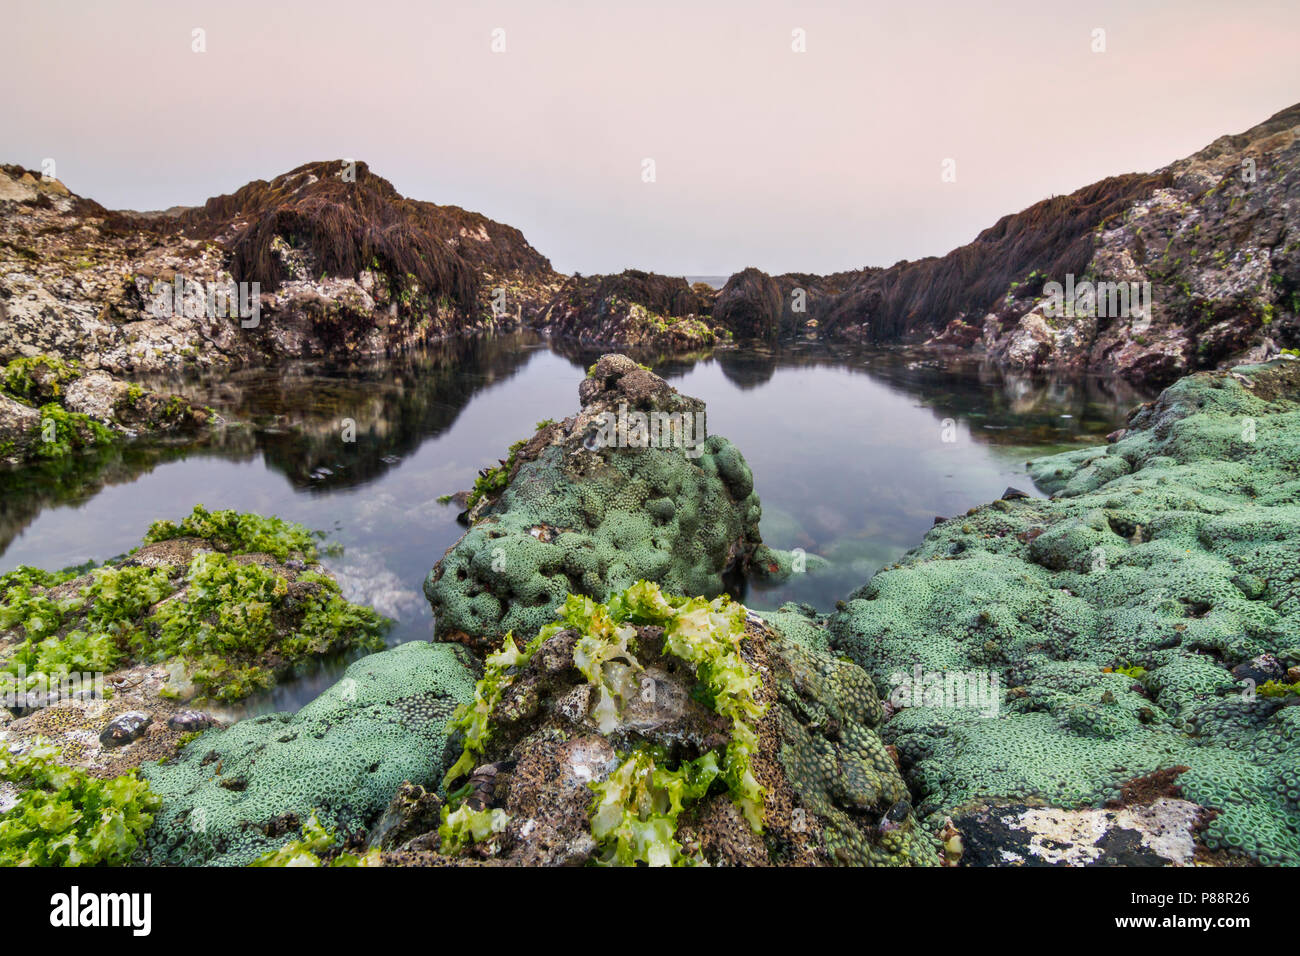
344	264
750	305
50	408
831	794
631	310
1106	629
587	509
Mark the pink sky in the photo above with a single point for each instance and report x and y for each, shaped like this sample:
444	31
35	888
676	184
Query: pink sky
819	161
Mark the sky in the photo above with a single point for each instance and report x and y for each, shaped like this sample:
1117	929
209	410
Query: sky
818	160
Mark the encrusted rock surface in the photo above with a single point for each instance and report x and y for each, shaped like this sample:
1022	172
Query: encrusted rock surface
580	516
1115	620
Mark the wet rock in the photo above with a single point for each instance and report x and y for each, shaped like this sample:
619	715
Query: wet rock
413	811
1160	834
750	305
1263	668
634	309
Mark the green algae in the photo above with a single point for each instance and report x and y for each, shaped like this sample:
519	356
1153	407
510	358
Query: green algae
64	817
38	378
233	622
240	533
464	826
634	814
316	844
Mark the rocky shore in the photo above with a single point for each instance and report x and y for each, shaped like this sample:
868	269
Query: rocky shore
1106	676
1193	266
51	409
1210	244
1122	655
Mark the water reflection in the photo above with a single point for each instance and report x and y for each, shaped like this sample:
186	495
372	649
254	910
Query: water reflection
847	447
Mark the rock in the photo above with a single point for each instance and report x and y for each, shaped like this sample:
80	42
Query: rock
96	394
1263	668
823	770
125	728
750	305
579	514
1160	834
379	273
19	428
1012	494
631	310
413	811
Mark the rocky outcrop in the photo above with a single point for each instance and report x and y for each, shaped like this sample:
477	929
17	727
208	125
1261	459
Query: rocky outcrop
50	409
634	309
669	732
1214	256
343	264
1210	242
1139	625
207	610
632	487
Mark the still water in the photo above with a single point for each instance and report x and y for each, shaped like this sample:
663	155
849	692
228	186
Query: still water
854	453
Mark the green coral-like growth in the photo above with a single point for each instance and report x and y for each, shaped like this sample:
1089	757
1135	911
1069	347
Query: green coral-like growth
634	514
240	533
343	756
1174	553
63	817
